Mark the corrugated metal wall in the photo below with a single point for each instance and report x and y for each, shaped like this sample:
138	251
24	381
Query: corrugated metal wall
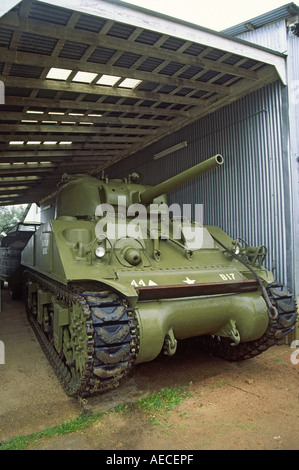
249	196
272	36
256	194
293	79
277	36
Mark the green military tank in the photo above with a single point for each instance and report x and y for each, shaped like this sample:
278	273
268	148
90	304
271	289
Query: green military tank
113	281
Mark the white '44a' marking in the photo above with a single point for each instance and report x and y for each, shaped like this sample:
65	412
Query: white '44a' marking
142	283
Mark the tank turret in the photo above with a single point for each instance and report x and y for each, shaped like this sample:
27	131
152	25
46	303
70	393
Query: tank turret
81	195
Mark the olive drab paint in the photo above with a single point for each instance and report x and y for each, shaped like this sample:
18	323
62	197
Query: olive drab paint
102	303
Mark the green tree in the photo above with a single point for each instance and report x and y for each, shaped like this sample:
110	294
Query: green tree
10	216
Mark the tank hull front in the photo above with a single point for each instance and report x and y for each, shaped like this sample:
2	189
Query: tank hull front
241	317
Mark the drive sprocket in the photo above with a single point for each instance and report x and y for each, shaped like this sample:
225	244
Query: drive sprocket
278	328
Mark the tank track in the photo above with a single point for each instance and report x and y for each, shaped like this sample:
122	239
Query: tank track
109	349
277	330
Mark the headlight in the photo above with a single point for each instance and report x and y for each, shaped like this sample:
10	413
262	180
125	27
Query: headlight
100	252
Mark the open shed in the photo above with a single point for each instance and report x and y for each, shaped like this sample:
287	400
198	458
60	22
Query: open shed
86	88
108	86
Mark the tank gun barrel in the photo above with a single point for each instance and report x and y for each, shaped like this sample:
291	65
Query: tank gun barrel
147	196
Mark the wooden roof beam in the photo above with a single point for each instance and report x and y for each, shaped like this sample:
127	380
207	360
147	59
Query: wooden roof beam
20	148
50	154
59	85
74	129
76	65
98	139
13	116
89	106
86	37
141	18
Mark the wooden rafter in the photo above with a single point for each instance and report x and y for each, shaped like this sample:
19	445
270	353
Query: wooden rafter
180	80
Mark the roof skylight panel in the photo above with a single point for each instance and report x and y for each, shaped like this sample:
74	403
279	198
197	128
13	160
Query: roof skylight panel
84	77
130	83
58	74
108	80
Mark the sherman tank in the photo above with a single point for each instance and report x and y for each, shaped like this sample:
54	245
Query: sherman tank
116	278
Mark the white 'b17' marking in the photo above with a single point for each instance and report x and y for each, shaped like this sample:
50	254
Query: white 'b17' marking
227	277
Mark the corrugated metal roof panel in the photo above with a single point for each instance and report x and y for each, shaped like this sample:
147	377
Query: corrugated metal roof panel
171	68
16	91
49	13
5	37
47	94
73	50
127	59
90	23
172	44
194	49
25	71
121	31
36	44
148	37
101	55
150	64
190	72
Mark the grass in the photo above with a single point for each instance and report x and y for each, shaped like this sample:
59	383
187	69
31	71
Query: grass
219	384
165	400
20	443
158	405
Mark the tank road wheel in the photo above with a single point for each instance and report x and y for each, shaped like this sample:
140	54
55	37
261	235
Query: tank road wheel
277	329
88	336
75	348
66	344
